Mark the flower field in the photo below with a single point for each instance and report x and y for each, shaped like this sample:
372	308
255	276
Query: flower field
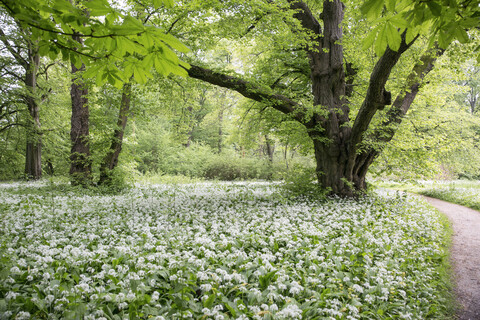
216	251
460	192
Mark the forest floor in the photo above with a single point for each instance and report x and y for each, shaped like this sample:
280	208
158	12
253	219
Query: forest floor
465	256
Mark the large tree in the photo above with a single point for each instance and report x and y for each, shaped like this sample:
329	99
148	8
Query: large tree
344	142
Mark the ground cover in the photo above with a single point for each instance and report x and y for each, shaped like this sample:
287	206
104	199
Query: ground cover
217	251
466	193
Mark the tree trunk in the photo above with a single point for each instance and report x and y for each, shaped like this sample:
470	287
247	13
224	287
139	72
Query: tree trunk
270	148
111	159
220	129
472	100
33	154
80	162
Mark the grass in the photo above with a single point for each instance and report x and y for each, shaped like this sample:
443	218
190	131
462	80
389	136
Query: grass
218	251
466	193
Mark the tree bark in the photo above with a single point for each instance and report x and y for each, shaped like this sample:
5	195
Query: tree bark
80	161
270	148
110	161
220	130
33	152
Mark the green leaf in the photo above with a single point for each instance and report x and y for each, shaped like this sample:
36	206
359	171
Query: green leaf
393	37
390	4
133	25
158	3
160	66
398	22
381	43
149	60
63	6
444	39
168	54
230	308
435	8
368	41
461	34
209	302
91	72
411	34
98	7
173	42
101	76
372	9
140	74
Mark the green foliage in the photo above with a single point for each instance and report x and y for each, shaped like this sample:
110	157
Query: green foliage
301	182
230	167
442	21
109	36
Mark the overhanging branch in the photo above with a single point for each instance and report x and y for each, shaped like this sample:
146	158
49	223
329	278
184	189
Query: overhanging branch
250	90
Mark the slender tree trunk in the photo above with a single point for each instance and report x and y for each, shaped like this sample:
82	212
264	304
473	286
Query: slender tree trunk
473	100
270	148
111	159
285	154
33	152
220	130
80	162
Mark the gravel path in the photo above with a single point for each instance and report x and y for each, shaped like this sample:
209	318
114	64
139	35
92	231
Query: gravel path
465	255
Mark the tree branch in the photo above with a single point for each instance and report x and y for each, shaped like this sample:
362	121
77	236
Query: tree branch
251	91
305	16
10	125
401	105
377	97
404	99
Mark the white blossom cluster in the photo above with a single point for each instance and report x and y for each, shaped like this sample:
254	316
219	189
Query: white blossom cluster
215	251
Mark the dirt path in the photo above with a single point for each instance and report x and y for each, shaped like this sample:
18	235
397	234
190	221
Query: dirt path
465	255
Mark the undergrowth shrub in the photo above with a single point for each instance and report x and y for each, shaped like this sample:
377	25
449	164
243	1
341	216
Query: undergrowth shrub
301	182
229	168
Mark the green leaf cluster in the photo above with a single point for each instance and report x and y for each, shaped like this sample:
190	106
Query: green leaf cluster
442	21
113	44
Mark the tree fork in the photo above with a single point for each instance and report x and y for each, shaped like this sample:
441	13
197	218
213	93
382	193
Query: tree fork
110	161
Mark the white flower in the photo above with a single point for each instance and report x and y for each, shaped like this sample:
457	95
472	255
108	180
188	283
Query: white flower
23	315
49	299
15	270
206	287
131	295
120	297
155	296
291	311
357	288
11	295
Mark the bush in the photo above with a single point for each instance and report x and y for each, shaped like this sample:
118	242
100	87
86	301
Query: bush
229	167
301	182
